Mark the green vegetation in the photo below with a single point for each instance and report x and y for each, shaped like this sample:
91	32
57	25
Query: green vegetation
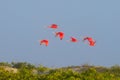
26	71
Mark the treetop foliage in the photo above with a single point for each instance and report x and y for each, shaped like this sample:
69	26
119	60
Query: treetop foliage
27	71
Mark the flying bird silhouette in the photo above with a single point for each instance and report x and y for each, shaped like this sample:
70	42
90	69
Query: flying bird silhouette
53	26
90	40
73	39
60	35
44	42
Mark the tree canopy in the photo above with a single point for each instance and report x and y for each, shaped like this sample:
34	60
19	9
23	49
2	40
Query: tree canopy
27	71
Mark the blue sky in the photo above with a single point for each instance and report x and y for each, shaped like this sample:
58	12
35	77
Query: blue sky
23	22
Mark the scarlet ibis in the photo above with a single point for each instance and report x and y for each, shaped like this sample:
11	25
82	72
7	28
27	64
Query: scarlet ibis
44	41
60	35
53	26
90	40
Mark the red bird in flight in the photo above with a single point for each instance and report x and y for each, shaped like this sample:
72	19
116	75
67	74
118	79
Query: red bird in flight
44	42
73	39
53	26
90	40
60	35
